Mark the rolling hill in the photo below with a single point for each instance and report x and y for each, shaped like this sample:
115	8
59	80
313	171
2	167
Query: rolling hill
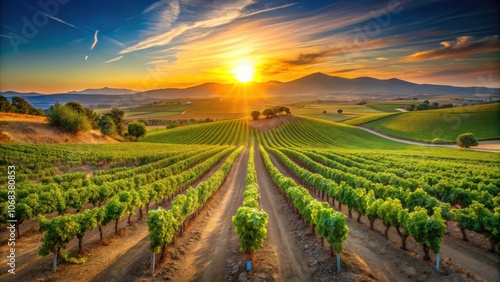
447	124
314	85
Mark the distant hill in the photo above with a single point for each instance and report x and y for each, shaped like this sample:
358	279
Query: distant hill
105	91
317	85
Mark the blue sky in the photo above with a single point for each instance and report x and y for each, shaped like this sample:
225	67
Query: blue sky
65	45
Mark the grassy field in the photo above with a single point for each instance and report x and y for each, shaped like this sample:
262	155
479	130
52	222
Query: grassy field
349	111
447	124
368	118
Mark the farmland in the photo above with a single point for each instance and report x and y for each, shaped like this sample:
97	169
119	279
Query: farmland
305	181
447	124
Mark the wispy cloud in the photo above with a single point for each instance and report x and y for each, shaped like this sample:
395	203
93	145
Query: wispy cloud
86	58
216	16
382	59
6	36
95	40
114	59
61	21
461	48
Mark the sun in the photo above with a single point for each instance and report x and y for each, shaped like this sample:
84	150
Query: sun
244	73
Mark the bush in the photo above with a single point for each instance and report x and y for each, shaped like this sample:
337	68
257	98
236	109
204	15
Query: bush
66	119
107	126
466	140
173	125
255	114
437	141
137	129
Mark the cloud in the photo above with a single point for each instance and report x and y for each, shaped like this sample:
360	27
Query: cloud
212	15
382	59
114	59
6	36
461	48
95	40
61	21
86	58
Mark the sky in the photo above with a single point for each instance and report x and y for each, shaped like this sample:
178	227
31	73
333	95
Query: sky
54	46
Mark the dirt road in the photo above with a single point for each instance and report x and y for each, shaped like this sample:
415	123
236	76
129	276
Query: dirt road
206	259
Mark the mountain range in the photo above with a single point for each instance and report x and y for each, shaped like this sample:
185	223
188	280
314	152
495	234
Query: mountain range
319	85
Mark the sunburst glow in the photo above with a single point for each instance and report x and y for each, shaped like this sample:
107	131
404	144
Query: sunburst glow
244	73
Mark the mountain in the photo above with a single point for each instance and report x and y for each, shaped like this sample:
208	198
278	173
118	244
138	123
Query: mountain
105	91
313	85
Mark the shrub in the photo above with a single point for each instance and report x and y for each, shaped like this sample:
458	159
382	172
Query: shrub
466	140
107	126
437	141
137	129
66	119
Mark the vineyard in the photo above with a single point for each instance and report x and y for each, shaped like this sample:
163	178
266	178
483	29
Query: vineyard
283	198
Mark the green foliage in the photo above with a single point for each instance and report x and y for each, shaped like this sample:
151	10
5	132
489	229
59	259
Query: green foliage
67	119
255	114
137	129
427	230
331	226
76	107
6	105
60	230
437	141
250	225
161	226
68	258
117	115
268	112
21	106
466	140
107	126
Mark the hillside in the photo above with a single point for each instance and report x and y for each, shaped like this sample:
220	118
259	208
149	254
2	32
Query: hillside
447	124
316	84
35	130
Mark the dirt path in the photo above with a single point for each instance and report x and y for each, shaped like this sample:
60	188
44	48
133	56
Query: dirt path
484	146
384	260
401	110
292	266
207	258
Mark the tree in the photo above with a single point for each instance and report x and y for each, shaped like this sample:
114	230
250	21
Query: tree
339	111
6	105
255	115
92	117
137	129
324	112
466	140
21	105
76	107
117	115
107	126
268	112
67	119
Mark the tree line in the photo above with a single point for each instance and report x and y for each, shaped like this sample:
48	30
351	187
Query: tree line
270	112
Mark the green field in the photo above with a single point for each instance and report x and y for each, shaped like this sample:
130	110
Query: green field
447	124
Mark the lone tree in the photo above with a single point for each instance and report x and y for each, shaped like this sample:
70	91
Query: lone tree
137	129
117	115
466	140
324	112
339	111
255	114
